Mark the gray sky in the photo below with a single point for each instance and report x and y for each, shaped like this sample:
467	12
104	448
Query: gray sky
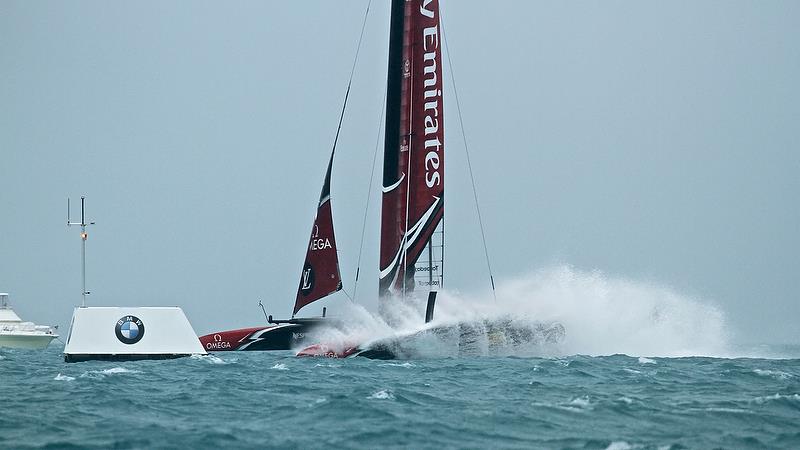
650	140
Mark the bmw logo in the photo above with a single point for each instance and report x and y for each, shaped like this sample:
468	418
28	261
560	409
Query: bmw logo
130	330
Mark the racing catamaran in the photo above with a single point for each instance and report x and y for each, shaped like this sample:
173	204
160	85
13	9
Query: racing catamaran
412	215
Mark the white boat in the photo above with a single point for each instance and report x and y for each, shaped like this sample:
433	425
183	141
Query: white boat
15	333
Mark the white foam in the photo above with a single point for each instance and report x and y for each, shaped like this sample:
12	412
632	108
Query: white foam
727	410
577	404
777	374
325	365
582	402
107	372
405	364
279	366
602	315
769	398
619	445
317	402
114	370
382	395
60	377
643	360
209	358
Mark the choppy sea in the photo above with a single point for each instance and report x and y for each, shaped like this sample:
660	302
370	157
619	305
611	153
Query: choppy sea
272	399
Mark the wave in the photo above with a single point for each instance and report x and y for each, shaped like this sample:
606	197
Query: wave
114	370
777	374
107	372
60	377
404	364
382	395
619	445
777	398
211	359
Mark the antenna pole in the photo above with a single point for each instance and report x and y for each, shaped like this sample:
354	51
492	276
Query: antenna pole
84	236
83	253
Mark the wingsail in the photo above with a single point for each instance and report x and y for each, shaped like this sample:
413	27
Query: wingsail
413	171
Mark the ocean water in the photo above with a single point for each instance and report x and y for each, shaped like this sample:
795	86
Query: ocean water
274	400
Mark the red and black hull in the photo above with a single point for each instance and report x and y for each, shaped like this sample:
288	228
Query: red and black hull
278	336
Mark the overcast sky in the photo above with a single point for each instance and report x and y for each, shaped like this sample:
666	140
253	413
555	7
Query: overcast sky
655	141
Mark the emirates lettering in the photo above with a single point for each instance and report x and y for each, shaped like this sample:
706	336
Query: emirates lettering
425	12
319	244
431	96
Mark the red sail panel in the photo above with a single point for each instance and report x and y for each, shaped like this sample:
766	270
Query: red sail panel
413	192
320	276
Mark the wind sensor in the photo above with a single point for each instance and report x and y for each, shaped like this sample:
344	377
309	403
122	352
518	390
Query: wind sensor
84	236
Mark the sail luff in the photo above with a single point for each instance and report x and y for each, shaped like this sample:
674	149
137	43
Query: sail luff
392	216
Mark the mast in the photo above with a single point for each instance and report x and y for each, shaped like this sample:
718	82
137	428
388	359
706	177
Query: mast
413	171
84	236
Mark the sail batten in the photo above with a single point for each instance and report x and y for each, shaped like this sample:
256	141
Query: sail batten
413	172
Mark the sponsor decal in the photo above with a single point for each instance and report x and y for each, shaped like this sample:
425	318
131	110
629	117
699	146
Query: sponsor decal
298	336
430	98
307	282
129	330
218	343
318	243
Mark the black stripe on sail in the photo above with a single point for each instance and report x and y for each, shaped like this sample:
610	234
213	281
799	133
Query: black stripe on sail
391	154
326	186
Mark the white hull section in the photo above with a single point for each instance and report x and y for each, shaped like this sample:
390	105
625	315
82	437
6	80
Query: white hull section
130	333
26	340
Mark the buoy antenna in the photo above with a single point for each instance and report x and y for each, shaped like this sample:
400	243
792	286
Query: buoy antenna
84	236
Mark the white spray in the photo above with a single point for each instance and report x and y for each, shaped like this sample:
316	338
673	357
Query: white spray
602	315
